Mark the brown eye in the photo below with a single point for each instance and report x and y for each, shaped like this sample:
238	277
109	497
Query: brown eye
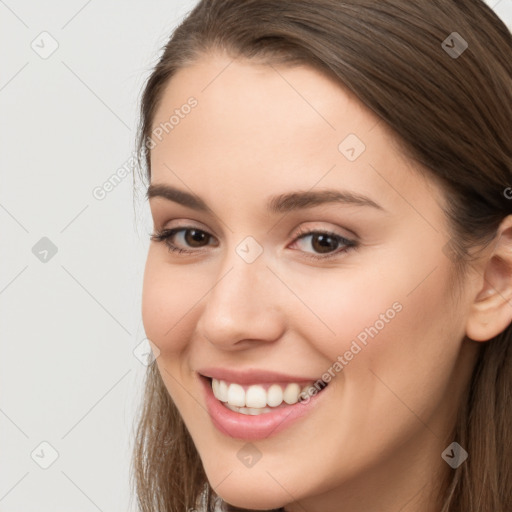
321	245
324	243
196	237
183	240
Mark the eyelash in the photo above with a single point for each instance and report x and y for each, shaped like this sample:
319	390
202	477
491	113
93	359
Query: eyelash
165	235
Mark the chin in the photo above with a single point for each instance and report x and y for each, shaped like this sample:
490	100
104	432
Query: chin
247	494
243	500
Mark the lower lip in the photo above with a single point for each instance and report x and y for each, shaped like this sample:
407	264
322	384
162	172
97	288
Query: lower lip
244	426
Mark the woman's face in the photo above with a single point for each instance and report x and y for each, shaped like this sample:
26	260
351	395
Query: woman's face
353	288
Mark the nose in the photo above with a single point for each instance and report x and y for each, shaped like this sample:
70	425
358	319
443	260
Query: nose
243	306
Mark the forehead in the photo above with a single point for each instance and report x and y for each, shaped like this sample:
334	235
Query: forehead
261	128
251	102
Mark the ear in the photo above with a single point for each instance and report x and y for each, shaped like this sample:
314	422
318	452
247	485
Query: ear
491	311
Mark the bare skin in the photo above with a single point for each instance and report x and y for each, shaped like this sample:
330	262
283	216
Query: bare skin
375	444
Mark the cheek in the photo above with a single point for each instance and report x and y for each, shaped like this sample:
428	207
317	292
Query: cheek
169	295
422	345
382	317
347	307
411	358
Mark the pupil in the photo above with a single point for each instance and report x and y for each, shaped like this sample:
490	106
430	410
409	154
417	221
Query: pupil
195	238
326	243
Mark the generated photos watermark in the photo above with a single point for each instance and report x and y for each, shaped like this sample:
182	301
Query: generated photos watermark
356	346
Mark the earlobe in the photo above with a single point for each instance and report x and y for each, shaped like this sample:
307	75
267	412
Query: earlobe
491	311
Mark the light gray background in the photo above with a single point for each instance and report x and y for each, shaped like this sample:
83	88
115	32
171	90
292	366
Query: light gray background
70	324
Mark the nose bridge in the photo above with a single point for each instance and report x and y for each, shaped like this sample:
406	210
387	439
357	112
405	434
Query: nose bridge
242	303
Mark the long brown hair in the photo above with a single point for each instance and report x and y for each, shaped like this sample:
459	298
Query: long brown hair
450	113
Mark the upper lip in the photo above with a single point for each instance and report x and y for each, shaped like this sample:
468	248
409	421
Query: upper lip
252	376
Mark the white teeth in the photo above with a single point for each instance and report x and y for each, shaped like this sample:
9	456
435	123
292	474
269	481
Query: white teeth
249	410
291	394
222	390
274	395
236	395
215	387
255	399
255	396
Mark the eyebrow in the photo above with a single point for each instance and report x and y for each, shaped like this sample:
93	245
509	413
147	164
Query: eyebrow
281	203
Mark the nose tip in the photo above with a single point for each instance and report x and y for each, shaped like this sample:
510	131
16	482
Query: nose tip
243	305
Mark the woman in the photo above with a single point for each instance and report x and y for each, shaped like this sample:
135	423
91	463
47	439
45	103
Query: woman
327	288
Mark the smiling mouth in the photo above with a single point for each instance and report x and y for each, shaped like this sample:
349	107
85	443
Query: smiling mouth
264	398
